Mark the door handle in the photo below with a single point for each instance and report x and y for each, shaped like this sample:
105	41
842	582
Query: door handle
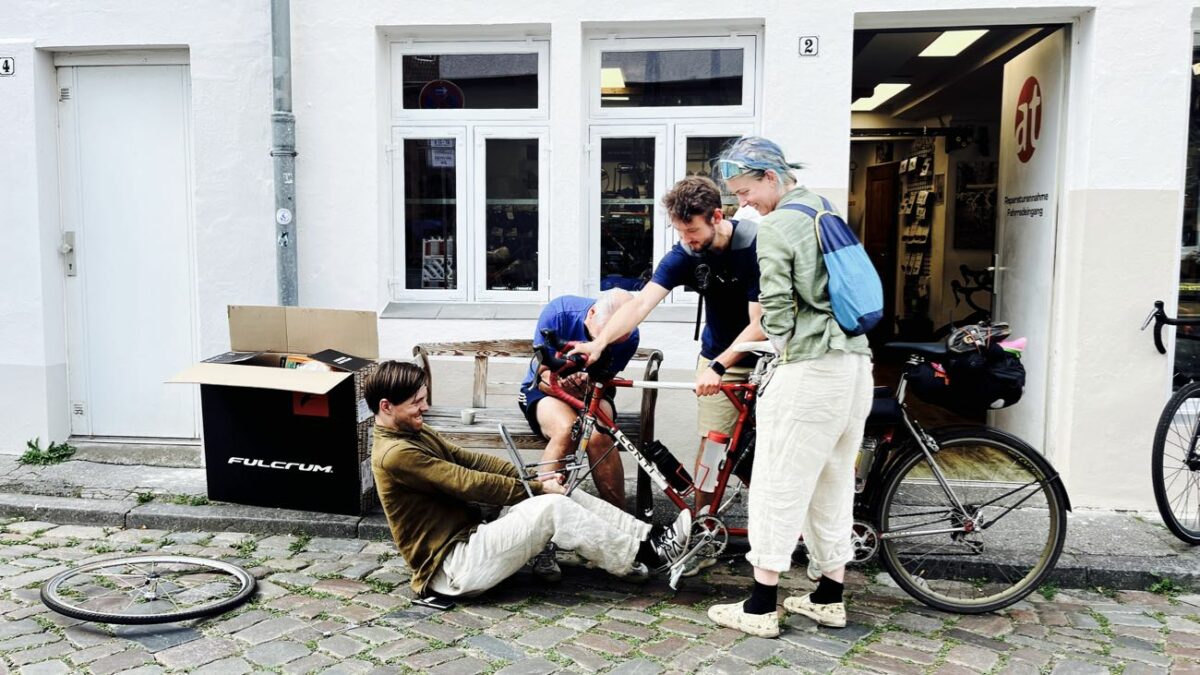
67	250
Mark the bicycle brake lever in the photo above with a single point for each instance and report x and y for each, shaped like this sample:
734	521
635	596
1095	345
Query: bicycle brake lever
1153	313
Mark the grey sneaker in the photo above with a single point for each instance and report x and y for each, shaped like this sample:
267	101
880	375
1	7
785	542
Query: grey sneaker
697	564
546	568
832	614
733	616
638	574
672	542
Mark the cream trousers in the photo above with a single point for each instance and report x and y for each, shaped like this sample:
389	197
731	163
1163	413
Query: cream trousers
593	528
810	427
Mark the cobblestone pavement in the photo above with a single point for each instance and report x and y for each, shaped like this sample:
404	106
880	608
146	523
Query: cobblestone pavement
342	606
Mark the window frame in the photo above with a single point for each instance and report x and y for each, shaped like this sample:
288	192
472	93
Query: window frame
479	211
596	136
596	46
399	49
399	224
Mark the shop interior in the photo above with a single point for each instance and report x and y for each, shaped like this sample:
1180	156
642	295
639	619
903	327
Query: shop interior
925	131
925	109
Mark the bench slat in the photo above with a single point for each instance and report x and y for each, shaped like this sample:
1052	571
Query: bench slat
447	421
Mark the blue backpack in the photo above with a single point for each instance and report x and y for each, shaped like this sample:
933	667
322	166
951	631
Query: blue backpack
854	288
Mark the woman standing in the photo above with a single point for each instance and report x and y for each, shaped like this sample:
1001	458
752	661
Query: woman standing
810	418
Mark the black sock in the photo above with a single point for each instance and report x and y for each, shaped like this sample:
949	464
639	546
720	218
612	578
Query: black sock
646	555
762	599
828	592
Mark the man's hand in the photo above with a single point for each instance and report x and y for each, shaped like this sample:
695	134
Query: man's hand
708	382
552	485
592	350
574	384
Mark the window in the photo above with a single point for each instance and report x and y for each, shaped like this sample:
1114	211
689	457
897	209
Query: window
459	81
681	77
672	77
470	81
468	180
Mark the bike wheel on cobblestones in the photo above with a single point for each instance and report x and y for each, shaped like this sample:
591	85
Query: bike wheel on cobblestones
990	544
148	589
1176	479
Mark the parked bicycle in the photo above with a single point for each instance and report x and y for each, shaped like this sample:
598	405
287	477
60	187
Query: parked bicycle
1174	459
966	519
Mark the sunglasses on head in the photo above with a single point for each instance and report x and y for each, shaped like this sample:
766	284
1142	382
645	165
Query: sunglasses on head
730	168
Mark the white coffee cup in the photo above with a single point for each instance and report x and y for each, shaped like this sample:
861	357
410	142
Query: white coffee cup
468	416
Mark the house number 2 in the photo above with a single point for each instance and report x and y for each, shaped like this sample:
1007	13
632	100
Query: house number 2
810	45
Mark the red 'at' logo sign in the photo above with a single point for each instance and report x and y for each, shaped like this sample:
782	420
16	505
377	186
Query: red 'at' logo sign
1029	118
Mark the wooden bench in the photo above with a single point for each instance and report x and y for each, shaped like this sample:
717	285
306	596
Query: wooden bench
483	434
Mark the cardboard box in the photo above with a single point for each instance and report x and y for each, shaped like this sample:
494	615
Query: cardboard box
290	438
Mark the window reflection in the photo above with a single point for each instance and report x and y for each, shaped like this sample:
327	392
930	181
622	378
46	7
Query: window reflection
678	77
470	81
430	213
626	212
512	214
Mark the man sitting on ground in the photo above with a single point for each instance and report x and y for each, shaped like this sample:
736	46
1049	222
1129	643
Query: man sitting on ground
427	487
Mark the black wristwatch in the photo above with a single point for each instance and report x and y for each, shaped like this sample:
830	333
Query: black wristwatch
717	366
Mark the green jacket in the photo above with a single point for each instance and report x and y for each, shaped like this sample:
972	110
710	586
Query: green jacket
426	485
794	285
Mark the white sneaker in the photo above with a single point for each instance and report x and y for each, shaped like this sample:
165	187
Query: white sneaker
832	614
672	542
733	616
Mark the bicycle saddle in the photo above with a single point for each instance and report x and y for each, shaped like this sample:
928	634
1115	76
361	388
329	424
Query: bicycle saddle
933	350
759	347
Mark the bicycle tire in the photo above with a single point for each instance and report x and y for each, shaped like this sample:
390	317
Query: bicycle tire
999	479
61	592
1166	468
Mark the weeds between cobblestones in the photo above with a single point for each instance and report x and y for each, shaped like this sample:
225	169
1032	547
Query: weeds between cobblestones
341	606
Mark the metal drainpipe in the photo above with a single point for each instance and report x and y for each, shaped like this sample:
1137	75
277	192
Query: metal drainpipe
283	152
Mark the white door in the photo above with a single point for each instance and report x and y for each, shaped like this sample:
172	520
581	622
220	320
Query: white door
1027	215
125	160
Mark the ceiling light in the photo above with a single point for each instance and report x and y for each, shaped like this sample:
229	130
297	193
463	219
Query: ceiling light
952	42
612	78
882	93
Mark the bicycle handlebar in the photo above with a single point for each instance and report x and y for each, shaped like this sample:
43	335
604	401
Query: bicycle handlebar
1160	319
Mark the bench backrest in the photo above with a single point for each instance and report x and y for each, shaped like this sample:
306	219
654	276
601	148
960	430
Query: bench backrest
482	350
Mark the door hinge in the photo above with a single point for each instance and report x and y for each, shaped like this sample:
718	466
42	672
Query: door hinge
77	408
64	94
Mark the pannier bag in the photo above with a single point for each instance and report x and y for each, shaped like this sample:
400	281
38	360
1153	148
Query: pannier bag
987	375
855	291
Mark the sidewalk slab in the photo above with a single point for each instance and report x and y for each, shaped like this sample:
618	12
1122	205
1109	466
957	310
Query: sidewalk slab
235	518
65	510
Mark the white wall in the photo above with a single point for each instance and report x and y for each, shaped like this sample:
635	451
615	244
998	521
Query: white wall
1123	172
231	98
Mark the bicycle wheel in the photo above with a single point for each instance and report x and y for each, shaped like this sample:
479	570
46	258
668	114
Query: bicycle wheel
1176	482
148	589
996	548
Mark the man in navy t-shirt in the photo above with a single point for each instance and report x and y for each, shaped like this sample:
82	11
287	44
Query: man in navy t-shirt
574	318
717	258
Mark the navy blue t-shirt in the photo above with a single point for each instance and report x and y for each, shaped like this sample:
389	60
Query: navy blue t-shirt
730	282
564	315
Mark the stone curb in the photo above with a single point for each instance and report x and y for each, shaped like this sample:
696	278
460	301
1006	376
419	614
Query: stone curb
1074	570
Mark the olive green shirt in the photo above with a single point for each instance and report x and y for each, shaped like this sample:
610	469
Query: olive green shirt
794	284
427	484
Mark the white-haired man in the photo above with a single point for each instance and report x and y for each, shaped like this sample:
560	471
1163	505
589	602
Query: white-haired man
574	318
